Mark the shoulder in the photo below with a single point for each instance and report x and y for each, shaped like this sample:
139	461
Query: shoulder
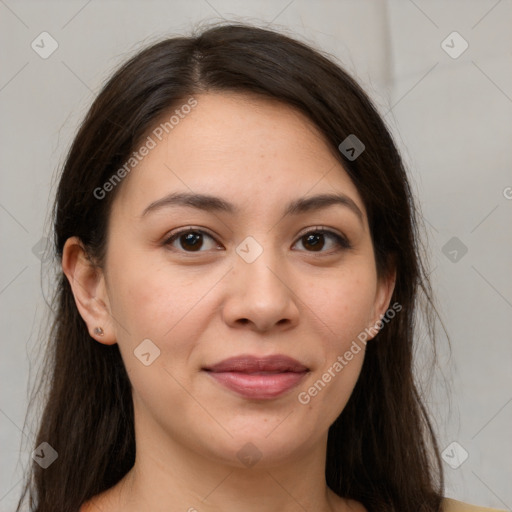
450	505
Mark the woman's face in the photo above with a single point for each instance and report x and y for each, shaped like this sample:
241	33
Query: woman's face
250	277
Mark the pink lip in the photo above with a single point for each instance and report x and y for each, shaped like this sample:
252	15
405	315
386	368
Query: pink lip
259	378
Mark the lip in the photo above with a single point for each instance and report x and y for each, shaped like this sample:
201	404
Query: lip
258	378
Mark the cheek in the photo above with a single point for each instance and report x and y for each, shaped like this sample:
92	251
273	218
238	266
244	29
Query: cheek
151	299
170	307
344	308
167	308
344	304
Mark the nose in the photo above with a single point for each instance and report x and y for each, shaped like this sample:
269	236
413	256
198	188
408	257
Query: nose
260	295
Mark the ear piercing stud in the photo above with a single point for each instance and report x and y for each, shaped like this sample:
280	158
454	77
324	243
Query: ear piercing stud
98	331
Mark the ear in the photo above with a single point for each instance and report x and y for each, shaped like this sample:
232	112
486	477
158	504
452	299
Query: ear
385	288
87	282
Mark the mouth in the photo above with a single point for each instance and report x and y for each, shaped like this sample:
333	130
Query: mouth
258	378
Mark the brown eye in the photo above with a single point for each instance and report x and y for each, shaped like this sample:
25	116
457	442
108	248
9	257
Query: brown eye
189	240
192	241
315	241
196	240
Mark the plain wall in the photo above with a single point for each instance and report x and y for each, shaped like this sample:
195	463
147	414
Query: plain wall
450	115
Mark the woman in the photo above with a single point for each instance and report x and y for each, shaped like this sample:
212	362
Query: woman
240	275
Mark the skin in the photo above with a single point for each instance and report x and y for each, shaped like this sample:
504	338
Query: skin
201	307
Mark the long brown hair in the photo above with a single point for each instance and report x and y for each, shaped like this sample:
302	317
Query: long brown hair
382	449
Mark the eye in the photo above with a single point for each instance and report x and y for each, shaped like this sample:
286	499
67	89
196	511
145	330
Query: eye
193	240
316	240
190	239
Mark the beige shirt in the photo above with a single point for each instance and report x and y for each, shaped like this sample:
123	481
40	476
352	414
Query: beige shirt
450	505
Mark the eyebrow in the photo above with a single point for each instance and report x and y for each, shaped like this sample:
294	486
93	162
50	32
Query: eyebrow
216	204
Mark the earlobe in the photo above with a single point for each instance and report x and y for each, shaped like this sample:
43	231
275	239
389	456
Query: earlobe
87	283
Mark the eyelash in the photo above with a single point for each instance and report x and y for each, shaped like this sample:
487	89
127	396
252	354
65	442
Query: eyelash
341	242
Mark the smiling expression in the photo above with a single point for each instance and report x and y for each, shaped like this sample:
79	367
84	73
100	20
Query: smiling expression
240	235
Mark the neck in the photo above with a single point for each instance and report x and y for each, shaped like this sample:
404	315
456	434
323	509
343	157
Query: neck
167	475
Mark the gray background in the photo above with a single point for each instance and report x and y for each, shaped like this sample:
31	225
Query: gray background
450	116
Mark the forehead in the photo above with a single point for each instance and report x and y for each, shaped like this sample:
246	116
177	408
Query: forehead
237	146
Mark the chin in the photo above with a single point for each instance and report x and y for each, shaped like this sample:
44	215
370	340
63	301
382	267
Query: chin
260	447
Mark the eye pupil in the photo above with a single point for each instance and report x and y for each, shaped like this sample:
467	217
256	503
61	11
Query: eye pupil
193	240
313	240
